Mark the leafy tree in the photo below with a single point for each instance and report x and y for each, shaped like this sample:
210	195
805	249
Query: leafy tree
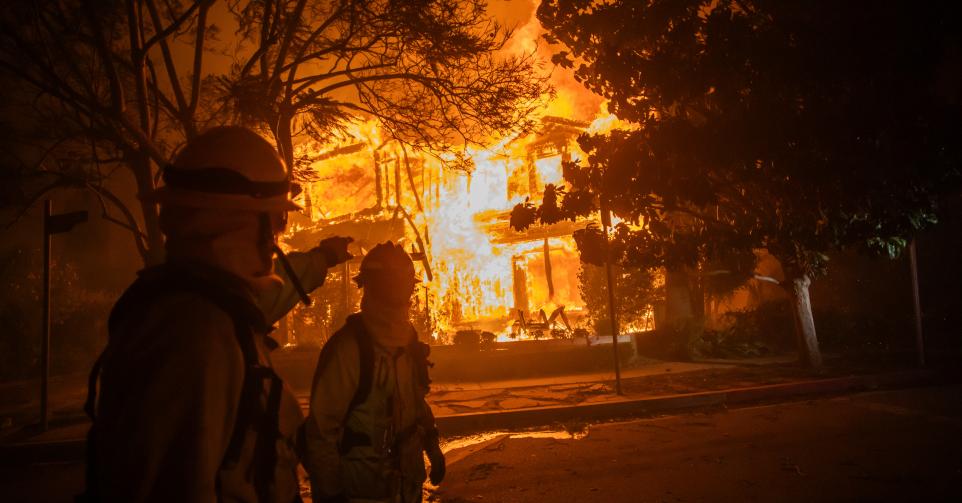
77	322
634	287
796	127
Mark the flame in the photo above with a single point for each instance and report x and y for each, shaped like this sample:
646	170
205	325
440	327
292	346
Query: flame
605	122
474	276
479	276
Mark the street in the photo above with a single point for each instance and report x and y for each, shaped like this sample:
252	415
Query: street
901	445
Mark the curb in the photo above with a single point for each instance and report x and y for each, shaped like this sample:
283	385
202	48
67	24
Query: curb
476	422
26	453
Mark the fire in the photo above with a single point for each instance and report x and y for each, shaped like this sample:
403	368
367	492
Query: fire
479	277
479	282
605	122
478	274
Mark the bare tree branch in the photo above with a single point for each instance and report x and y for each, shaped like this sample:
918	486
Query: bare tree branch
129	222
116	89
198	57
161	35
170	66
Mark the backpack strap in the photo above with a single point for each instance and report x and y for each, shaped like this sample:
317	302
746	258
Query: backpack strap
353	329
365	348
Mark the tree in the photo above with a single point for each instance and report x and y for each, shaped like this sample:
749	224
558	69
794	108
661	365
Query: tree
101	85
429	70
800	128
96	87
633	286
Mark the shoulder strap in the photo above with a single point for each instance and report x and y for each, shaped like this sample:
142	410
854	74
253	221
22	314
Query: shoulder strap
353	329
365	347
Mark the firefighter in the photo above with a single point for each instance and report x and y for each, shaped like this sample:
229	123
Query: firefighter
369	424
189	407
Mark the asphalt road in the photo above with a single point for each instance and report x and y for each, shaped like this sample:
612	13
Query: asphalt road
903	445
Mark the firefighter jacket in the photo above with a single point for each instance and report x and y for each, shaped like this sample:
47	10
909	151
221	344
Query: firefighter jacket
367	445
172	390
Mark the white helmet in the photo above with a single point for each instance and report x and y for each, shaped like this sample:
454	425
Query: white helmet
227	167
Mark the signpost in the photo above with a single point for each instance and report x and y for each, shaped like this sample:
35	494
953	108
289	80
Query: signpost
606	224
52	224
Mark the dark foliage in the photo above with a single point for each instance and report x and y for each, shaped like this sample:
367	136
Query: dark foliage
760	331
800	128
78	322
636	290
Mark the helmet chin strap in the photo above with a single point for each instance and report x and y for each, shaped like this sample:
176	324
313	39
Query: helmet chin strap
306	299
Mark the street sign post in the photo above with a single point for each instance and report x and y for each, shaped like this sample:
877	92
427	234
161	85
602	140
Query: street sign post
52	224
612	311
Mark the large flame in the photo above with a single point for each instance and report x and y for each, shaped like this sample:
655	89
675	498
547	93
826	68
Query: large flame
482	273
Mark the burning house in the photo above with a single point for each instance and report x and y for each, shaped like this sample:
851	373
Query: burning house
452	214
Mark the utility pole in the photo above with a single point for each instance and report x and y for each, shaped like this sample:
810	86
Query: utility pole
52	224
606	224
45	318
919	341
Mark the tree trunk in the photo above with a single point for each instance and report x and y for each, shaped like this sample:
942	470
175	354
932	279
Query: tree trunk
808	350
697	294
679	319
678	304
285	140
140	166
139	161
284	136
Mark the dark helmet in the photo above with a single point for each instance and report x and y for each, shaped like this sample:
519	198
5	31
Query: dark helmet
387	272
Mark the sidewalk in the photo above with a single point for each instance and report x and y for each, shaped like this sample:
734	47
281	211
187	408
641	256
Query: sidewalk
650	378
649	388
657	388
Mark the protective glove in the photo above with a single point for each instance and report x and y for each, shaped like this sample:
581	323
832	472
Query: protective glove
436	457
335	250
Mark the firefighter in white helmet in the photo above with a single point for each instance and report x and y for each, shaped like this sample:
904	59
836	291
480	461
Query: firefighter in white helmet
189	407
369	424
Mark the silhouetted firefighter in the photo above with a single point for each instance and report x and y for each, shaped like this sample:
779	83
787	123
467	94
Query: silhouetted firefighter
190	409
369	424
